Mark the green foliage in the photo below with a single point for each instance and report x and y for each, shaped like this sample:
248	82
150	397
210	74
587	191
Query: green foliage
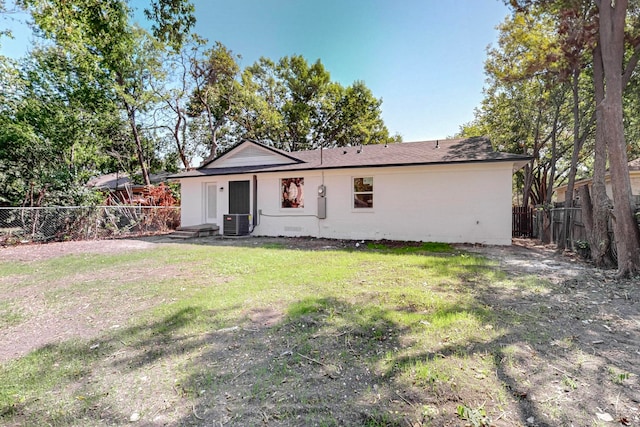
74	95
99	94
616	376
477	417
295	105
582	244
527	46
54	125
172	20
3	32
529	105
406	248
569	383
215	93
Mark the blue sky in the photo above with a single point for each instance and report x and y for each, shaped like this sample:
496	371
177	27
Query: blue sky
424	58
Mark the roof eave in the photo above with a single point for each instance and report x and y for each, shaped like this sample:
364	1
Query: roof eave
518	163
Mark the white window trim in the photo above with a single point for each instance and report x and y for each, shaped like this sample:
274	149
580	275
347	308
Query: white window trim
291	210
354	192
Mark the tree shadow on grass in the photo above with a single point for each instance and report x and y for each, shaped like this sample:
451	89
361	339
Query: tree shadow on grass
532	360
73	370
564	353
315	367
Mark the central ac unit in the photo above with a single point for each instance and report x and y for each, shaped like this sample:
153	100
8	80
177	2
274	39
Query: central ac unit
236	225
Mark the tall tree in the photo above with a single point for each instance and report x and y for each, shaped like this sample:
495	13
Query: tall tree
349	115
172	116
526	108
134	74
595	202
296	105
259	115
55	124
122	56
215	90
612	22
306	85
576	36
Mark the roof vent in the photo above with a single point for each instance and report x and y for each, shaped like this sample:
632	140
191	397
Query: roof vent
437	143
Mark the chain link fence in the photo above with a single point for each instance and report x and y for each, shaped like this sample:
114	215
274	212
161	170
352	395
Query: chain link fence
84	222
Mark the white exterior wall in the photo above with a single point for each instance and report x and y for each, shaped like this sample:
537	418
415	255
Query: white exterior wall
191	202
467	203
192	195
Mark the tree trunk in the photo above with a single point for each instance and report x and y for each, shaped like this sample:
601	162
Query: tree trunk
545	235
587	210
131	111
598	233
612	21
213	129
567	222
179	135
526	190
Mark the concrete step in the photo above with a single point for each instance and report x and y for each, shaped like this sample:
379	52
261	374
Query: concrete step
201	227
193	231
183	234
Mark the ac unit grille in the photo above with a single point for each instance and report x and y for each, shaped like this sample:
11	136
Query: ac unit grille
236	224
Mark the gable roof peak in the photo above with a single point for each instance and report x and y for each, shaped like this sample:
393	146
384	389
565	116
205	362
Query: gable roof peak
250	152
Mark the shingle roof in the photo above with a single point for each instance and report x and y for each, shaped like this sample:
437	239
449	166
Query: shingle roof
110	181
115	180
464	150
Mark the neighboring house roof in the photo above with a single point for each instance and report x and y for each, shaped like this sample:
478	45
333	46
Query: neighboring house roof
117	180
634	169
109	181
464	150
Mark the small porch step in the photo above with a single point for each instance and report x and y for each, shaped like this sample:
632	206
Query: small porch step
183	235
193	231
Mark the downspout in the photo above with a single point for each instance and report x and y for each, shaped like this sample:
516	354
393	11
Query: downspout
255	201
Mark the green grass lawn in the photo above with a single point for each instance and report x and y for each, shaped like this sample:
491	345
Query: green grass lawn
209	335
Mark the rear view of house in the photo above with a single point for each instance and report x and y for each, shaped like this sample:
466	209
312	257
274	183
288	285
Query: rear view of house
454	191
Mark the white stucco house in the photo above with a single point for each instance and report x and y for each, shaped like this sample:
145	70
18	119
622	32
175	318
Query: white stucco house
453	191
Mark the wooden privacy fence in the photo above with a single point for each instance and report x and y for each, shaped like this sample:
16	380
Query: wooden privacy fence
575	234
522	221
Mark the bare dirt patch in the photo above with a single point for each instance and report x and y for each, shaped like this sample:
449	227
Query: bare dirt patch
575	359
570	355
78	306
40	252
